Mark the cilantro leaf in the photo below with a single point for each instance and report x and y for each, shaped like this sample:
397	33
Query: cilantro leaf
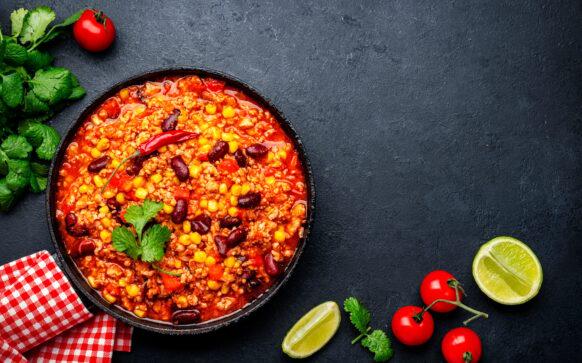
12	89
18	174
123	240
359	315
17	19
32	105
52	84
3	163
39	169
15	54
16	147
35	24
379	344
139	216
37	183
153	243
37	59
7	196
2	48
43	137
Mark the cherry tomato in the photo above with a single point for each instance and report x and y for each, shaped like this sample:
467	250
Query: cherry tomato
409	329
94	31
436	286
461	345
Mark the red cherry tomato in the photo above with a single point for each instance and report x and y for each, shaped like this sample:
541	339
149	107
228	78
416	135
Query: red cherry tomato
436	286
461	345
409	329
94	31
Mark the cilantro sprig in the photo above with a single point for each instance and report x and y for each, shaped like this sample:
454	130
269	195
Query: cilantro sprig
31	92
147	244
376	341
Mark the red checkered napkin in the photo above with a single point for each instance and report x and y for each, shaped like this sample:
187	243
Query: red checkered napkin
39	309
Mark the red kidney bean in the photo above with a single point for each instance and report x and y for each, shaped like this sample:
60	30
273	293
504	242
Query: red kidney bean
218	151
189	316
98	164
77	231
70	219
236	236
113	205
172	121
230	222
136	164
249	200
86	247
180	168
271	266
257	151
251	277
240	158
221	245
201	224
180	211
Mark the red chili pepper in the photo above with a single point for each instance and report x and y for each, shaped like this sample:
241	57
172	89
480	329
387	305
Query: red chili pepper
153	144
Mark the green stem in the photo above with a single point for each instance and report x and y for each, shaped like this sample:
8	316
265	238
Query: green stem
361	335
134	155
171	273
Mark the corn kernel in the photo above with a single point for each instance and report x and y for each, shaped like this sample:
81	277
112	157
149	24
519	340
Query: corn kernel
138	181
233	201
282	154
186	226
95	153
203	203
132	290
210	108
184	239
110	298
108	194
232	146
229	262
228	112
156	178
102	144
224	289
203	141
195	237
235	189
182	301
122	282
124	94
215	133
210	261
223	188
279	235
270	180
227	136
232	211
246	187
270	156
141	193
168	209
200	256
92	282
120	198
212	206
115	163
163	149
204	148
105	236
99	182
139	312
194	170
177	264
104	209
213	285
106	222
83	188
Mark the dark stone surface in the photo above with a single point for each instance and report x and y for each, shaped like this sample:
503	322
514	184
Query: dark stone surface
432	126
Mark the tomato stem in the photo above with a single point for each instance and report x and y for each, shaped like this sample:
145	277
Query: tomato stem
467	357
457	302
356	339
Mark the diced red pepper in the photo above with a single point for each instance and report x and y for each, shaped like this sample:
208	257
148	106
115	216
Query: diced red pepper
112	108
214	85
228	165
181	193
215	272
171	283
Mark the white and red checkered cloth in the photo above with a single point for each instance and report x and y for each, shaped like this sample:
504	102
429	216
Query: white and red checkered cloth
43	320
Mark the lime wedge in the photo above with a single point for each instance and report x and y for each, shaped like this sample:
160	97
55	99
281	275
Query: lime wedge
312	331
507	271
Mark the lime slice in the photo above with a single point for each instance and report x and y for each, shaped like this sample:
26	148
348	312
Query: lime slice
312	331
507	271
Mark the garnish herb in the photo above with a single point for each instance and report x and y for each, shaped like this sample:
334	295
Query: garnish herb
376	341
147	244
31	92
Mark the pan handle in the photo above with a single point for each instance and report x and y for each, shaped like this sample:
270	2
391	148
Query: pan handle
88	304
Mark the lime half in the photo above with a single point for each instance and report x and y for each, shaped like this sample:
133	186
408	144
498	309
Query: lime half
507	271
312	331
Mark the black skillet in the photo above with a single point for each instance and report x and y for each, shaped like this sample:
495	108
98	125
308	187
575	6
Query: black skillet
92	297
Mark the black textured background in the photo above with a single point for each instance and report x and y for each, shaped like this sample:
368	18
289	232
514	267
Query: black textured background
432	126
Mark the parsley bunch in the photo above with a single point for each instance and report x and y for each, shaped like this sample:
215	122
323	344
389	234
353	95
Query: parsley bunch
31	92
148	245
377	341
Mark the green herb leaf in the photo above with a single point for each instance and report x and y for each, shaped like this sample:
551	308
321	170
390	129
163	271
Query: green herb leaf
139	216
43	137
359	315
379	344
17	19
3	163
153	243
37	59
12	89
38	183
15	54
18	174
52	84
33	105
2	47
39	169
16	147
123	240
7	196
35	24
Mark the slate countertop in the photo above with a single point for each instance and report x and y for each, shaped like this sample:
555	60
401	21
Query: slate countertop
431	126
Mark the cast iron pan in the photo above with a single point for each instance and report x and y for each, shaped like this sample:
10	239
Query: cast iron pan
91	297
